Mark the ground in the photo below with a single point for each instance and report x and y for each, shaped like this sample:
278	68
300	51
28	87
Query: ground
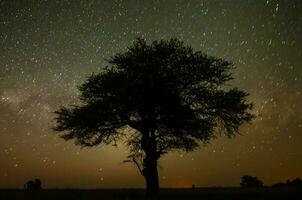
166	194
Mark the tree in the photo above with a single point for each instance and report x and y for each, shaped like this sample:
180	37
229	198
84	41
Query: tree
251	182
158	97
297	182
33	185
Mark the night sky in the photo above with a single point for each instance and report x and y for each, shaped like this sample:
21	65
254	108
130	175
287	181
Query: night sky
47	48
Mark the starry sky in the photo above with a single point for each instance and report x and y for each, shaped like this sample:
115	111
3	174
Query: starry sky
47	48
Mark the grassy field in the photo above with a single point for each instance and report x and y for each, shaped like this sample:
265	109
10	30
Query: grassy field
166	194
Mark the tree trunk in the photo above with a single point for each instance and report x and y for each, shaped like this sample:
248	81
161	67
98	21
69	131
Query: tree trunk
150	165
151	177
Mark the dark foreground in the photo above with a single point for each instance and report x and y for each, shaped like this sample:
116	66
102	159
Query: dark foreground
173	194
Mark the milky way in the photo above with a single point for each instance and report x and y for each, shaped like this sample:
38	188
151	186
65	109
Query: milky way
47	48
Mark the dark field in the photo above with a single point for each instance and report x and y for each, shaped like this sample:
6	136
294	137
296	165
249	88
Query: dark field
115	194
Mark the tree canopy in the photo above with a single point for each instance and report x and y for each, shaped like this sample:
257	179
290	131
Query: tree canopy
250	181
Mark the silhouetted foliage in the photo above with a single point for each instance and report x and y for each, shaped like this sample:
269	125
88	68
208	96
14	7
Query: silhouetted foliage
250	181
294	183
279	184
157	97
33	185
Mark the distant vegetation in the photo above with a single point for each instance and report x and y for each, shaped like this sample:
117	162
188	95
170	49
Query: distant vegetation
294	183
250	181
33	185
254	182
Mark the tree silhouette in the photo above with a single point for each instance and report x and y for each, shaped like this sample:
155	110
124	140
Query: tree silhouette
297	182
33	185
158	97
251	182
